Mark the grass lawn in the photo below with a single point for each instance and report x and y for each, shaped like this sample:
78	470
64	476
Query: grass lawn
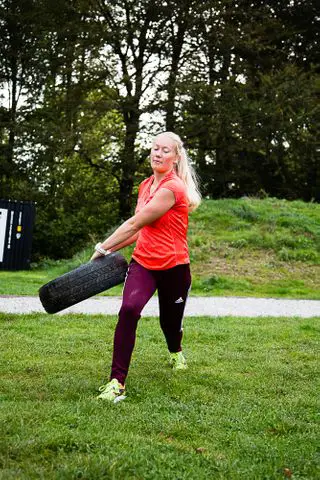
247	407
243	247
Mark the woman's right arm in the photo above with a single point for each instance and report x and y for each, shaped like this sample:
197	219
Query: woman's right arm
127	242
163	200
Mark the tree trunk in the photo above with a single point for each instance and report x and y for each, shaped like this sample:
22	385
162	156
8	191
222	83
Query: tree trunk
177	45
128	162
13	64
172	82
13	114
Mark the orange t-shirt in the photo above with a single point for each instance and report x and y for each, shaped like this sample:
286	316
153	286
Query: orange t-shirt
163	243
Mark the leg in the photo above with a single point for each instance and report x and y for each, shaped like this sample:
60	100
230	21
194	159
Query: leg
139	287
173	289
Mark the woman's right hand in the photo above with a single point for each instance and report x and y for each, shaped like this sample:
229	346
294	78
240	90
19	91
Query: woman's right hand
99	251
95	255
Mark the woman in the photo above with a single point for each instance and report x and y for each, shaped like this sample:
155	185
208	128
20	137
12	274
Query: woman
160	260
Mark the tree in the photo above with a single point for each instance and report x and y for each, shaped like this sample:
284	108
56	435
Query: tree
45	140
90	80
20	39
246	116
132	34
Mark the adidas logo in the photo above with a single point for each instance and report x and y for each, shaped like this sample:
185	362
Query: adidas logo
180	300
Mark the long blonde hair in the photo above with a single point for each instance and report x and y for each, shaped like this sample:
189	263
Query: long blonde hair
186	172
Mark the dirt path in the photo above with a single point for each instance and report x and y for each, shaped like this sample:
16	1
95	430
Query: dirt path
196	306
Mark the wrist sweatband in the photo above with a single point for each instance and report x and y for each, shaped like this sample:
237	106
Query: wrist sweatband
101	250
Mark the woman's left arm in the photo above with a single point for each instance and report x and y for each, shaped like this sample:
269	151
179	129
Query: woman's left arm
163	200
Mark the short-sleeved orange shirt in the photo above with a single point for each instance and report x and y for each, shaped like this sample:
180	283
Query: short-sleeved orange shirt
163	243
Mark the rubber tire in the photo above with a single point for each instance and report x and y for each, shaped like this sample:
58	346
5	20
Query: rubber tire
83	282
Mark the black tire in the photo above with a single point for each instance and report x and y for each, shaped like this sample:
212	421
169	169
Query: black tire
83	282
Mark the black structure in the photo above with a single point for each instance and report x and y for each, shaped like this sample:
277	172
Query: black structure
16	227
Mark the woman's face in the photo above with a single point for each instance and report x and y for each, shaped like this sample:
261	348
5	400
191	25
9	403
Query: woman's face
163	154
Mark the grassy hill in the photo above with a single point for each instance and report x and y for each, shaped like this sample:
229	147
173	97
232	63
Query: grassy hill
249	246
243	247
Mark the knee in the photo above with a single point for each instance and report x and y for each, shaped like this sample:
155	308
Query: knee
130	310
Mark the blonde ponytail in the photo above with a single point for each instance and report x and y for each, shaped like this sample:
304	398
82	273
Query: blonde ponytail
186	172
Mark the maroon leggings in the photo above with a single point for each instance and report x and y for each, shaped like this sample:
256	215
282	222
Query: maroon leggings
173	286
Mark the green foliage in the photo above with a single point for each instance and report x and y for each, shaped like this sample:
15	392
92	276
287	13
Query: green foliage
245	409
89	82
260	141
84	207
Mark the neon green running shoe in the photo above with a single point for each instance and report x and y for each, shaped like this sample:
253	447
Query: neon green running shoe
177	361
112	391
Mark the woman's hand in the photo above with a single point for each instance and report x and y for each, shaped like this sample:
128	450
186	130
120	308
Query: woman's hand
99	252
95	255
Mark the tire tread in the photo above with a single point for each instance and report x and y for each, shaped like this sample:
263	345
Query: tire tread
83	282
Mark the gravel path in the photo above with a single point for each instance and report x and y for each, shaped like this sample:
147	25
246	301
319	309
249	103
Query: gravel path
196	306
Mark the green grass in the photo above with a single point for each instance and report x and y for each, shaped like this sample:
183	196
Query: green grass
247	408
252	247
244	247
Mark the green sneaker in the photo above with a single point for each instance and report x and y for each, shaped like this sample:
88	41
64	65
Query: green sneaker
112	391
177	361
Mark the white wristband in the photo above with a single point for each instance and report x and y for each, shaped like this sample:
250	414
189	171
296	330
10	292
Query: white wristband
101	250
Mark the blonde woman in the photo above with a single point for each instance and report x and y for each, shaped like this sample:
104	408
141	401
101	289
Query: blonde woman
160	260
